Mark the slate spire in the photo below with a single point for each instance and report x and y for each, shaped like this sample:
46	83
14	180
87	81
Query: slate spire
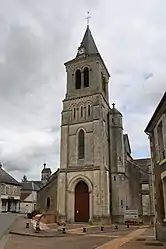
88	46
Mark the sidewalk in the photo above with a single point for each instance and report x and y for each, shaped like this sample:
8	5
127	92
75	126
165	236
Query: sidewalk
145	241
19	228
93	239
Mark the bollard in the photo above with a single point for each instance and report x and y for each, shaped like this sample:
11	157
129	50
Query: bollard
27	225
84	229
102	229
64	230
37	228
116	227
127	225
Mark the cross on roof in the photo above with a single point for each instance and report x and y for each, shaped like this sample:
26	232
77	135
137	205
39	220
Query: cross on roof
88	18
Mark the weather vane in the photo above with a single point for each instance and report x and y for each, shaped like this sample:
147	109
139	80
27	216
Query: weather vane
88	18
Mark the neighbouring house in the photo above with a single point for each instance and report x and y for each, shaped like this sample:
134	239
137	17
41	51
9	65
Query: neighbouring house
10	190
139	185
29	191
147	206
156	131
28	197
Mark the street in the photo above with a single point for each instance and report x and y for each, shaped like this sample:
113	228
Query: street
6	220
123	237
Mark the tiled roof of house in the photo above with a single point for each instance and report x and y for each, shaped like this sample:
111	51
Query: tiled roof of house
6	178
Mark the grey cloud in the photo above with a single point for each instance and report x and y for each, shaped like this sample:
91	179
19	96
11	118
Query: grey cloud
37	37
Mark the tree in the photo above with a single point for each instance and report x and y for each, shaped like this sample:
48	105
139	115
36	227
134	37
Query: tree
24	179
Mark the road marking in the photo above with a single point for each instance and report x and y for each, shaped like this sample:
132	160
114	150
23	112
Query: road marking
3	241
103	235
116	243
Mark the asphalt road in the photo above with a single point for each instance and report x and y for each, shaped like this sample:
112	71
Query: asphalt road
6	220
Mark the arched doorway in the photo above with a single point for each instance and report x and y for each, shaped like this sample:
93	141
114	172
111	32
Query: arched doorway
81	202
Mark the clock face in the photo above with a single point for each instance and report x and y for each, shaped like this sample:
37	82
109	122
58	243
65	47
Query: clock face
81	50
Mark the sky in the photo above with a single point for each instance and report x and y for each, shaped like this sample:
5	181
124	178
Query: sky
37	37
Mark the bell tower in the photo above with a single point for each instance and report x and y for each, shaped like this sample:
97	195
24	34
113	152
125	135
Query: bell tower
87	73
83	181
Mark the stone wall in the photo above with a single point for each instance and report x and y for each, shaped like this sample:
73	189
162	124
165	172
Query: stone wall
48	191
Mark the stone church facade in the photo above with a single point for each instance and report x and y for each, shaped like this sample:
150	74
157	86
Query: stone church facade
91	184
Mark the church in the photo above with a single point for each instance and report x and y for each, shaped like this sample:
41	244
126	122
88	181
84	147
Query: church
98	179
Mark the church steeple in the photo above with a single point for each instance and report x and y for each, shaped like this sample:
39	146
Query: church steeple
88	46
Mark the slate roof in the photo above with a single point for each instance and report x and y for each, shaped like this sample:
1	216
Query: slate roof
30	185
50	179
6	178
90	48
88	43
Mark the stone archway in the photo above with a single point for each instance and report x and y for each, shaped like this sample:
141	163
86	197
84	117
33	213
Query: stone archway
81	202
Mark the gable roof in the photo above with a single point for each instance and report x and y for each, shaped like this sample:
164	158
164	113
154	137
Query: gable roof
29	185
50	179
162	104
6	178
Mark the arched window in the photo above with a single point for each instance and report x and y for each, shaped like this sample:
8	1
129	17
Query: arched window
82	111
74	113
86	77
78	79
48	203
81	144
89	110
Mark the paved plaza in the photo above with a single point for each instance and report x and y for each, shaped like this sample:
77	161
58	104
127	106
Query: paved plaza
75	238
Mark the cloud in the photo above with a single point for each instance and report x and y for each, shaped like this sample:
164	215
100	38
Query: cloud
37	37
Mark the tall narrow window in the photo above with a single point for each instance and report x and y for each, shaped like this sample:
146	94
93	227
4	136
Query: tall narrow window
74	113
160	135
78	79
103	83
81	144
86	77
81	111
88	110
48	203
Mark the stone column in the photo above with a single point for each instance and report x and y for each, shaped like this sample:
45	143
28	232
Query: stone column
61	197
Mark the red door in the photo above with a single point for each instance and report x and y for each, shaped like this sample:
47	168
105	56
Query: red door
81	202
